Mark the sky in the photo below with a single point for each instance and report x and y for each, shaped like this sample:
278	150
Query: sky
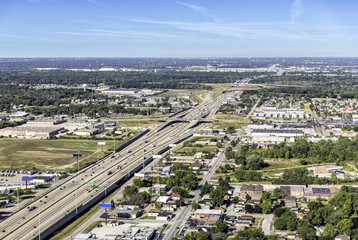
183	28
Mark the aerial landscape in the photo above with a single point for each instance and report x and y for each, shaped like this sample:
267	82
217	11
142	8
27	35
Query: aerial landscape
178	120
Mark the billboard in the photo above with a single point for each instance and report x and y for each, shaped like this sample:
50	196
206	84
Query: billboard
101	143
105	205
77	154
27	178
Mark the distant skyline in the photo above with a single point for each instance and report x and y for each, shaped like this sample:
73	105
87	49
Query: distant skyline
185	28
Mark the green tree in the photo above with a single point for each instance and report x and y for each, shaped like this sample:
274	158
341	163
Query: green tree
329	231
255	162
230	130
266	206
195	205
344	226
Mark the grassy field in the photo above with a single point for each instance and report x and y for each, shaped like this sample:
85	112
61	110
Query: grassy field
136	123
211	150
225	125
230	117
45	154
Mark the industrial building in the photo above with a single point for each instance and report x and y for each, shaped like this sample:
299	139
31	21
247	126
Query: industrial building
272	112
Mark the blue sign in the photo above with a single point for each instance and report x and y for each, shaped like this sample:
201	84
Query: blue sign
77	154
27	178
105	205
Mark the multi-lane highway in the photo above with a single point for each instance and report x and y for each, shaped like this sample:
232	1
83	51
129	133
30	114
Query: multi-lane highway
75	195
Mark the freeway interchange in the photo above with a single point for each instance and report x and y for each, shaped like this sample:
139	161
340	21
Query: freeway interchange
61	204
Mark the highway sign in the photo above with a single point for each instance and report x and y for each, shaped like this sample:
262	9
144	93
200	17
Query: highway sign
191	129
77	154
105	205
157	156
27	178
172	145
89	183
101	143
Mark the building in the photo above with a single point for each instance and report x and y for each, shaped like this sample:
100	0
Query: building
290	201
41	179
25	131
255	191
277	132
121	91
170	206
325	169
212	219
86	132
124	213
159	189
204	213
272	112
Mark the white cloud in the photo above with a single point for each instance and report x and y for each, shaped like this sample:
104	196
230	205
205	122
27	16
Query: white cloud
295	11
194	7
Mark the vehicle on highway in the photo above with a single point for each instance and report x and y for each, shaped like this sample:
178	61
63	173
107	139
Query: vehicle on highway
31	208
109	172
129	151
118	167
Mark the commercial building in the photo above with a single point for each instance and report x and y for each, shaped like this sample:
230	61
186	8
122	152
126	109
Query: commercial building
25	131
272	112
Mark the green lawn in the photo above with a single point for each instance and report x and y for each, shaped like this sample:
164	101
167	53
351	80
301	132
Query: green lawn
44	154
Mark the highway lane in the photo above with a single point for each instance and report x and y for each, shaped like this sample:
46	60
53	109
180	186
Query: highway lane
16	226
67	202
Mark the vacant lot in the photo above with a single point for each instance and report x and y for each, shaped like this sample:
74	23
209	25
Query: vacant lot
44	154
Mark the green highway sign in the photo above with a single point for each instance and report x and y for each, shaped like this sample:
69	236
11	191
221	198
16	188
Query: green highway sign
191	129
89	183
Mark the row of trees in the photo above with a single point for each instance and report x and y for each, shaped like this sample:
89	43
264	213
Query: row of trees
344	149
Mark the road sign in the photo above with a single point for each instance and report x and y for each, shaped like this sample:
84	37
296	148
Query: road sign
172	145
105	205
89	183
157	156
191	129
102	143
27	178
77	154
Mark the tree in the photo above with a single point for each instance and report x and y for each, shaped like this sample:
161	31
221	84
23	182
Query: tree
195	205
266	206
277	193
113	206
305	229
197	236
220	226
145	197
255	162
250	233
344	226
329	231
279	211
230	130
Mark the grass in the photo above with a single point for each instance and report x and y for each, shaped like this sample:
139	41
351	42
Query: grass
79	221
224	125
149	217
136	123
46	154
307	109
230	117
181	149
92	226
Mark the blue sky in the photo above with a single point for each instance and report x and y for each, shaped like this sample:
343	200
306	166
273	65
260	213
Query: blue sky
185	28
